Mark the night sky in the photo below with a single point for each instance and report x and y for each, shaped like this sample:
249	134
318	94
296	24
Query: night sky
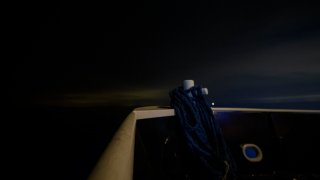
132	53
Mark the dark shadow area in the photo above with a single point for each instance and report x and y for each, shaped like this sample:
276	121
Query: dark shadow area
61	143
288	142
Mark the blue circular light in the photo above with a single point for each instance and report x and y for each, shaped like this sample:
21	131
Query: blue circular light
251	152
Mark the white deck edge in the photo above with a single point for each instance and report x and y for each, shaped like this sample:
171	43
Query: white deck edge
116	163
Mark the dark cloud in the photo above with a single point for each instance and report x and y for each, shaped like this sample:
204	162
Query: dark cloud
77	50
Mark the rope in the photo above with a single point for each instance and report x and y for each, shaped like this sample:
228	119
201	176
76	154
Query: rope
202	133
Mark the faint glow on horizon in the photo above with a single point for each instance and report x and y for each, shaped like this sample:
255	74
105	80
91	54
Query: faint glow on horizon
120	97
282	99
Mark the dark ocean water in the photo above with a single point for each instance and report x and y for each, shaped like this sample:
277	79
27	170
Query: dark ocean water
60	143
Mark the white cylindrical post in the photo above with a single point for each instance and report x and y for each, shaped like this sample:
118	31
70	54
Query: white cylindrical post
187	84
205	91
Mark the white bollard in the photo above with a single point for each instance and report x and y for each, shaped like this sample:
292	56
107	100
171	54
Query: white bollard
205	91
187	84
